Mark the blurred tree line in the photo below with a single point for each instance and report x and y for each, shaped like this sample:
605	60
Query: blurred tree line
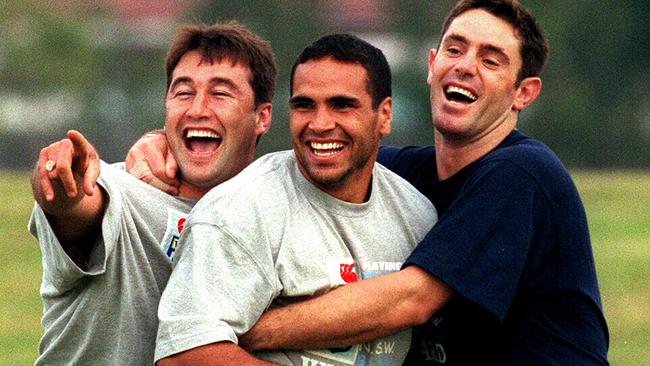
98	67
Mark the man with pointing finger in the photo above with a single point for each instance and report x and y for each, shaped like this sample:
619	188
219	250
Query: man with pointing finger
107	238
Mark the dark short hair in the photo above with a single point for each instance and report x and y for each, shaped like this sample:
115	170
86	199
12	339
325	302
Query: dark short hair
534	44
348	48
230	41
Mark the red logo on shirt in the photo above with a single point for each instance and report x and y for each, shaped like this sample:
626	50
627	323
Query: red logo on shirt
348	273
181	225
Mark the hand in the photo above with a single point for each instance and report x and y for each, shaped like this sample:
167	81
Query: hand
63	162
152	162
64	183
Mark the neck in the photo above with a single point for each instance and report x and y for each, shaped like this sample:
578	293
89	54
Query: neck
350	194
353	188
453	154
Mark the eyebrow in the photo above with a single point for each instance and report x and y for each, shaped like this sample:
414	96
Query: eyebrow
343	99
214	81
225	81
178	81
331	100
454	37
299	99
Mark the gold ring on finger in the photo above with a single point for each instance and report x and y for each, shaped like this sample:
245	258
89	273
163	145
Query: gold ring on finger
49	165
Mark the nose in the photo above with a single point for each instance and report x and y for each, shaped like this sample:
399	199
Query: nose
466	65
199	108
322	121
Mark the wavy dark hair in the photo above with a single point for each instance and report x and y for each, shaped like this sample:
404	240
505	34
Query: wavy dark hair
228	41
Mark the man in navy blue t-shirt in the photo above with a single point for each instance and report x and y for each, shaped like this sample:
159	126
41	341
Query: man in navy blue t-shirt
507	276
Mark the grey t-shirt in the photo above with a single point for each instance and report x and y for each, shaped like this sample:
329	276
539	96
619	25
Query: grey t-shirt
106	314
269	236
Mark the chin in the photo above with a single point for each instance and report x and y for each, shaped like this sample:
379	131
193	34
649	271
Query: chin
451	134
327	180
198	180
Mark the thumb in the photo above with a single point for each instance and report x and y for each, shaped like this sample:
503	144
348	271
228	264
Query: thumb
90	177
171	166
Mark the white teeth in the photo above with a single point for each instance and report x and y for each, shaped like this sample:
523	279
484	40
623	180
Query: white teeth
465	92
325	153
326	146
326	149
202	133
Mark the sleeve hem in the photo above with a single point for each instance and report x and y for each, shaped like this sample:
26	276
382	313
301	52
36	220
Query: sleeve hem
178	345
457	286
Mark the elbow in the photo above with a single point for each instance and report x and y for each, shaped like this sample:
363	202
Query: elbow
417	312
425	296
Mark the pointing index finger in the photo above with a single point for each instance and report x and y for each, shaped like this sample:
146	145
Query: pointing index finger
82	148
88	160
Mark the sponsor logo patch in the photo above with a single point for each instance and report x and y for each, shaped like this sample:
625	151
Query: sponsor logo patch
389	350
175	225
341	270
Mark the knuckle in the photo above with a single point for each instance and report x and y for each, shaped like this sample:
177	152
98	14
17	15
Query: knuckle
62	166
160	185
140	169
158	171
66	143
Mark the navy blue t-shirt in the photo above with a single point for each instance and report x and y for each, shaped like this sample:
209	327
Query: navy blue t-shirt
512	241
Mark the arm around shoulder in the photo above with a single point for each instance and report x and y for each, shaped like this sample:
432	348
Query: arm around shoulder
380	306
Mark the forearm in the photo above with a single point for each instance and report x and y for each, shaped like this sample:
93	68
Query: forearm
76	221
221	353
64	184
351	314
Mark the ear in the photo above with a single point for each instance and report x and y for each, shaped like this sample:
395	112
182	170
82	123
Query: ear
527	92
263	114
385	109
432	55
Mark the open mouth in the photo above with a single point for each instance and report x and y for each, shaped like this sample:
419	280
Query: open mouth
459	95
325	149
202	141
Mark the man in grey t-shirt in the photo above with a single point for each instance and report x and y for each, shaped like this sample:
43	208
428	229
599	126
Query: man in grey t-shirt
107	239
299	223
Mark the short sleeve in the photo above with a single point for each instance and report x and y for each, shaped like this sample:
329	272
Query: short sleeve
480	245
59	270
218	289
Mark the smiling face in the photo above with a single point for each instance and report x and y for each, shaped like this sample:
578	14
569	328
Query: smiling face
335	130
473	79
212	121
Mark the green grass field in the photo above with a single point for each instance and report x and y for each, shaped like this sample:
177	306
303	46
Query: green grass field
617	205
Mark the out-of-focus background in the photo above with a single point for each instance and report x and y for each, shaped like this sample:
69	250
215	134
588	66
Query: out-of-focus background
97	66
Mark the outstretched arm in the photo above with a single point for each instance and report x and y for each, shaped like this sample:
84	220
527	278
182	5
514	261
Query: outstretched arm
64	184
151	161
221	353
354	313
